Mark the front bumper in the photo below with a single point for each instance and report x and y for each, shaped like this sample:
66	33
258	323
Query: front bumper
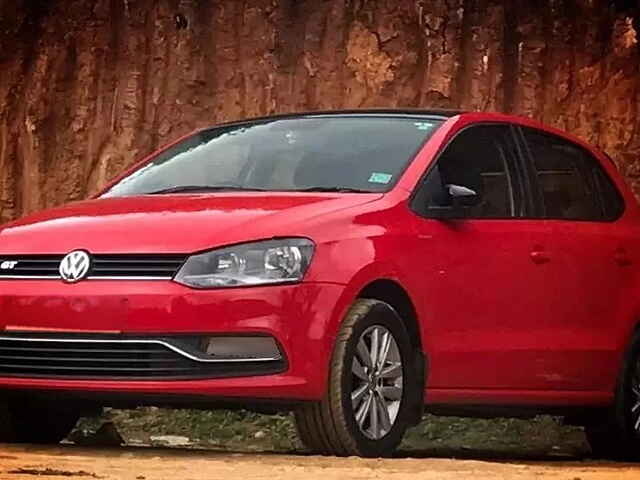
302	319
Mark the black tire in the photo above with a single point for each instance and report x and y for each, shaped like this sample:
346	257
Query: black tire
25	422
329	427
616	435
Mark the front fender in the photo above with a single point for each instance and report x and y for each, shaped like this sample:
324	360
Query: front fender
363	277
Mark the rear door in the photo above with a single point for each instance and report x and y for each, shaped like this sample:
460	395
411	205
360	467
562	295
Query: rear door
591	264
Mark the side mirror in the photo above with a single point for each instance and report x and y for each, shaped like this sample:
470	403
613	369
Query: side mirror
462	196
457	198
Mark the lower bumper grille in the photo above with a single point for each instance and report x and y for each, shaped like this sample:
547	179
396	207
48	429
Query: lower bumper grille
119	358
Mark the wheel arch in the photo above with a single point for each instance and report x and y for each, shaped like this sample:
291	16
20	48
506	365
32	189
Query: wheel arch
630	333
391	292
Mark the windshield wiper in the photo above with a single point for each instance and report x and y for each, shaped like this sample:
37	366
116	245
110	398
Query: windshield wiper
204	188
240	188
333	189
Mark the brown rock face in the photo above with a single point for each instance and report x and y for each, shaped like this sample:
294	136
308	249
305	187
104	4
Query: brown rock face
89	86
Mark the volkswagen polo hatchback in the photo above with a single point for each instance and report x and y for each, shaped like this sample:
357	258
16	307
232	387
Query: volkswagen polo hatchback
355	268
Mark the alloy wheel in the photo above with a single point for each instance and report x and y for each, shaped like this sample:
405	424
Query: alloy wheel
377	382
635	397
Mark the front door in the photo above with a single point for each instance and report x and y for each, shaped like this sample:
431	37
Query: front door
488	268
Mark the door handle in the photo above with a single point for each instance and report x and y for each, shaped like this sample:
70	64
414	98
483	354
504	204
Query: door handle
621	258
539	256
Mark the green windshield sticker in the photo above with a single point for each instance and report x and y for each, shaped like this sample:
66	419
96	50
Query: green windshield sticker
423	125
380	178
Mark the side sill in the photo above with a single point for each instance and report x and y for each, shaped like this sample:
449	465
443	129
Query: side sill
542	401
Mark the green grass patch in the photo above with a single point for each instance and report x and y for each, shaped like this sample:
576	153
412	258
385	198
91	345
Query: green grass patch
441	436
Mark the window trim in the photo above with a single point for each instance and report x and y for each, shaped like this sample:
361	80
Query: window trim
519	182
537	189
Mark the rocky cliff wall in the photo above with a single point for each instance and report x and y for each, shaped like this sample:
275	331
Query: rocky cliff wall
88	86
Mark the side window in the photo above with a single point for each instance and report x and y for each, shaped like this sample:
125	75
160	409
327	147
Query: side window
480	159
572	183
612	201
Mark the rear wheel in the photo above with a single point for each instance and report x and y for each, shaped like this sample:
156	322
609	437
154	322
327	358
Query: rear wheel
26	422
371	396
617	435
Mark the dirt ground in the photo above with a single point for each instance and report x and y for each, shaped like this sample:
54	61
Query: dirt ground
146	463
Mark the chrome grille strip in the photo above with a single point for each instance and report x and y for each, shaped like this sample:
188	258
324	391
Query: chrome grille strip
103	267
162	343
43	277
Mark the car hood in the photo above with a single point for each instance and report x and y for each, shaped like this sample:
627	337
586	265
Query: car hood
170	223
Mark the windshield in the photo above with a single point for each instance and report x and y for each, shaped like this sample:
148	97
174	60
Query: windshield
322	153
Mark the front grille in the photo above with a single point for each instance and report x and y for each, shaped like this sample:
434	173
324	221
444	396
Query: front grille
136	265
159	267
131	359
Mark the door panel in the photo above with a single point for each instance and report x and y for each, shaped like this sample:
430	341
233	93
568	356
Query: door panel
487	308
593	289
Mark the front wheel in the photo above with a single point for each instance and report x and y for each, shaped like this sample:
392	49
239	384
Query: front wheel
371	396
616	436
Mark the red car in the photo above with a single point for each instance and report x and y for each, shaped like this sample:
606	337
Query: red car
357	268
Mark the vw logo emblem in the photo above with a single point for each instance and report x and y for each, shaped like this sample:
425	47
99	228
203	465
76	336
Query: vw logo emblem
75	266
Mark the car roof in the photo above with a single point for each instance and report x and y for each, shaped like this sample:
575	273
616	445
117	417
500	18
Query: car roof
400	112
433	113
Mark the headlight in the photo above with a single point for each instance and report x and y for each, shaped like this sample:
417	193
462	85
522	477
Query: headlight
259	263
